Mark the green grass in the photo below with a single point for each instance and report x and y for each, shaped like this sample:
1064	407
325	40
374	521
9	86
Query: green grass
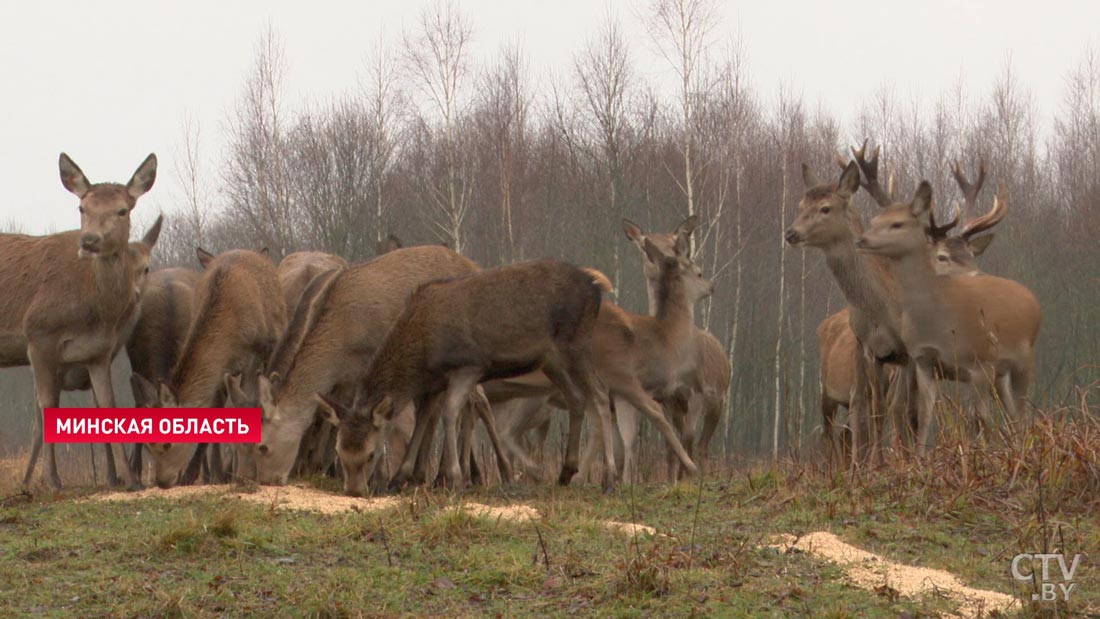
213	556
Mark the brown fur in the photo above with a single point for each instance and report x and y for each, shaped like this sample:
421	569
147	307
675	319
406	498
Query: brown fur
297	270
347	321
239	315
498	323
68	297
979	328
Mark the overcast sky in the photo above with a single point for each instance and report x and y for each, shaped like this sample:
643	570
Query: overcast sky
108	82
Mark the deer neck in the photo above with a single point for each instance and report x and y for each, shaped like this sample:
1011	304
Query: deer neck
113	286
674	311
918	294
651	286
863	286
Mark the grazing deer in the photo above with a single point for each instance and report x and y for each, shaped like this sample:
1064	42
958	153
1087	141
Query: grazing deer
499	323
827	220
976	328
709	383
347	320
297	270
239	315
68	297
155	343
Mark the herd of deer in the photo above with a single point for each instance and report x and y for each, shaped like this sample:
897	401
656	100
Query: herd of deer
357	364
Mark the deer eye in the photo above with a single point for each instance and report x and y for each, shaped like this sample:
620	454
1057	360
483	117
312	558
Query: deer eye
122	212
896	226
941	258
825	210
146	271
264	449
81	209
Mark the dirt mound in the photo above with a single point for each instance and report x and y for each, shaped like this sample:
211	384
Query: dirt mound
869	571
279	497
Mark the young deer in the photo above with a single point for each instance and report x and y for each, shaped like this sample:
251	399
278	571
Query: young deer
975	328
155	343
239	316
347	321
498	323
709	383
68	297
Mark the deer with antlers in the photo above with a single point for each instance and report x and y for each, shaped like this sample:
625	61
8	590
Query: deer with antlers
70	296
976	328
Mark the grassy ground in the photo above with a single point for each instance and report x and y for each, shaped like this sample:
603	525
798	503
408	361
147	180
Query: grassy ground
968	509
212	556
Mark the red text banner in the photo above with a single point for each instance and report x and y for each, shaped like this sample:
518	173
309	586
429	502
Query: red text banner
152	425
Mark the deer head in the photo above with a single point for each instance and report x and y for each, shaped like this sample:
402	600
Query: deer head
825	212
665	242
356	441
105	207
899	230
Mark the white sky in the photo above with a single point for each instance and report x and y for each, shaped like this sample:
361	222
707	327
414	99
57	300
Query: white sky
110	81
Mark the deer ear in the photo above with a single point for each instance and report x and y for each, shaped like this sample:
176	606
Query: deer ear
653	253
142	180
167	397
980	244
687	226
144	391
633	231
809	179
151	236
849	179
204	257
922	200
333	412
72	177
391	243
233	390
266	389
265	252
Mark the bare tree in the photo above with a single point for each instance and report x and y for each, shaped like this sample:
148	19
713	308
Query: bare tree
437	54
385	105
682	31
255	175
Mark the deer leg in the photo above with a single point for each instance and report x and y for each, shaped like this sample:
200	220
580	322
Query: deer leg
481	406
859	407
425	409
596	406
47	391
695	410
575	403
927	390
637	396
829	407
626	420
674	412
712	417
194	466
466	421
513	419
100	374
459	385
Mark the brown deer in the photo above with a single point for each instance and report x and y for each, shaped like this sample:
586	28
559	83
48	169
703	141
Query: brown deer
239	315
155	343
347	320
297	270
709	383
69	296
827	220
976	328
498	323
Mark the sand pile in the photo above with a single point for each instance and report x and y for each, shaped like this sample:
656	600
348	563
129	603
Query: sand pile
279	497
870	571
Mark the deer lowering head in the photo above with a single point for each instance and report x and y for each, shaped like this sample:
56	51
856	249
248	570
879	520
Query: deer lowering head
105	207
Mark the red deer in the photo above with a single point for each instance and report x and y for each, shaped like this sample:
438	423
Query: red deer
499	323
976	328
239	316
69	296
348	318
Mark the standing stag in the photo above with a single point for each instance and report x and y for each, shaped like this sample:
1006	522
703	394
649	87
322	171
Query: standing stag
69	297
239	315
975	328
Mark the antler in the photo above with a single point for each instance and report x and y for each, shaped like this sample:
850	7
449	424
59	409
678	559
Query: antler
939	233
990	219
870	173
970	190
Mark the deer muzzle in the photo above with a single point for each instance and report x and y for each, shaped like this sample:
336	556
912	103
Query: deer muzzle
89	245
792	236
